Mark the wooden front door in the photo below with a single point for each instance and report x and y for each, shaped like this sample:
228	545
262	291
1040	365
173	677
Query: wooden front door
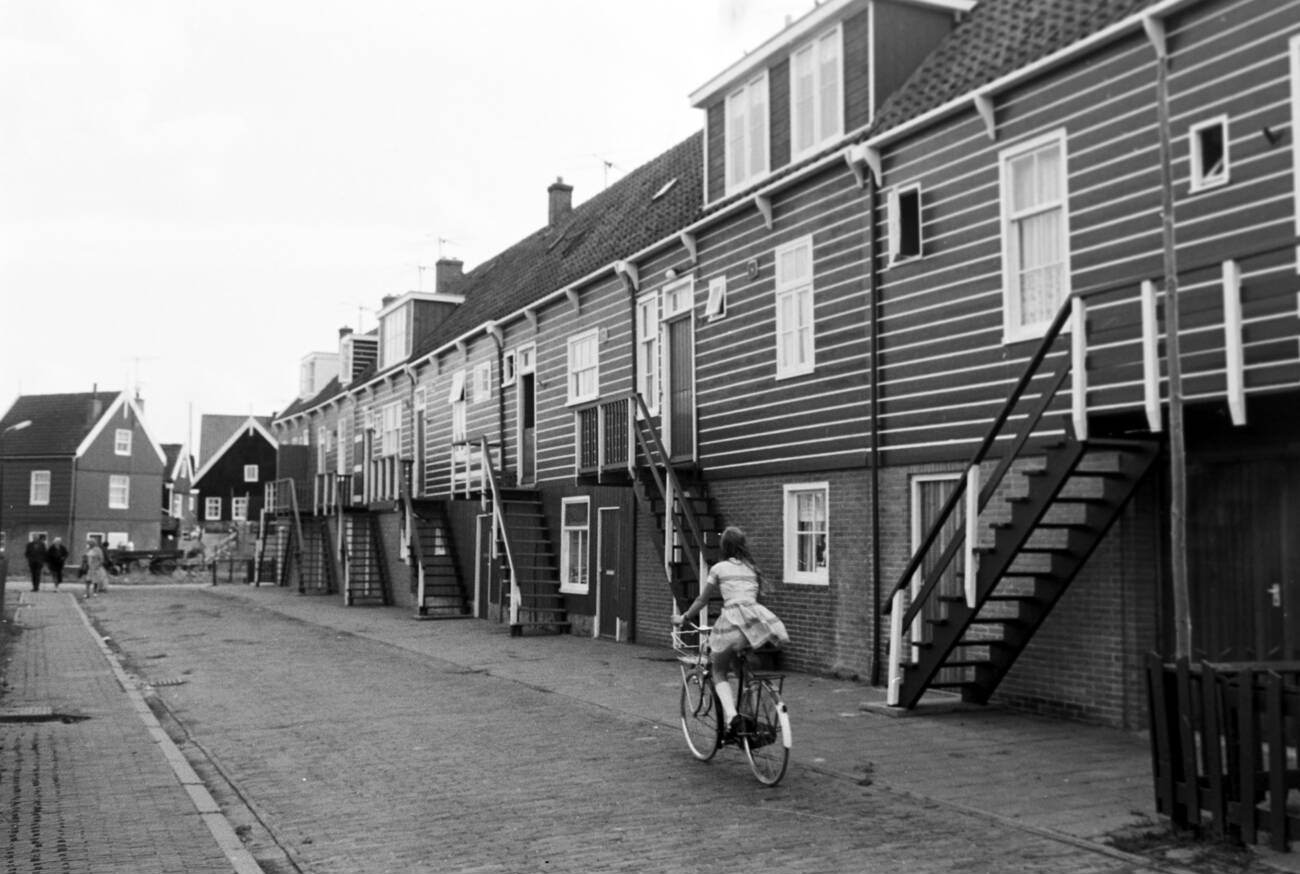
527	428
607	571
1243	558
679	388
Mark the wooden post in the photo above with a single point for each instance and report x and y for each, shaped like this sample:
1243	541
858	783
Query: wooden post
1177	449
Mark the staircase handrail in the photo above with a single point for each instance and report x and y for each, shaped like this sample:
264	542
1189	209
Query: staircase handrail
499	519
641	411
412	538
986	444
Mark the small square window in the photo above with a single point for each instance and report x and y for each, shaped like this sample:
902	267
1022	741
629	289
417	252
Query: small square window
1209	153
212	509
904	223
122	441
250	473
508	368
716	307
239	509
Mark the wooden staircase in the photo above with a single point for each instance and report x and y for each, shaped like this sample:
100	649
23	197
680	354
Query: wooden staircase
364	560
524	545
990	568
312	559
1066	511
433	556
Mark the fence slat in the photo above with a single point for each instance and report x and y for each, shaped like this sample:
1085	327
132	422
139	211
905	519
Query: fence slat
1191	783
1247	753
1161	751
1275	732
1211	740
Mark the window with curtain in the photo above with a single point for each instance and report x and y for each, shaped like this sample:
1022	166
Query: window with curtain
1035	235
807	533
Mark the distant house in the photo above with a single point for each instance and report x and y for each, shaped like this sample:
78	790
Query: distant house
79	466
237	458
179	506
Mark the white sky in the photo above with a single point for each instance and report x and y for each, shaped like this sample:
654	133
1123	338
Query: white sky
194	195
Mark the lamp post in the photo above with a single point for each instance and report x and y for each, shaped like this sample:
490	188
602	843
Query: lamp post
4	560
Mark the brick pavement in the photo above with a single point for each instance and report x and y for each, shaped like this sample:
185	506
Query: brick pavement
85	783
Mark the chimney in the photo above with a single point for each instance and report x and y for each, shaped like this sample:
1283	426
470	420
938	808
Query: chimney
386	300
96	405
561	202
344	332
448	276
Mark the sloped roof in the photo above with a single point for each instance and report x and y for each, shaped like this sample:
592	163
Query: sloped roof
171	454
59	422
254	424
216	428
998	37
329	390
619	221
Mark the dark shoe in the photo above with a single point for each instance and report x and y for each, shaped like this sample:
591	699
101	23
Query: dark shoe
734	727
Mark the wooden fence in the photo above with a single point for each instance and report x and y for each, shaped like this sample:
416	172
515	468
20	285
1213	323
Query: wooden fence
1224	741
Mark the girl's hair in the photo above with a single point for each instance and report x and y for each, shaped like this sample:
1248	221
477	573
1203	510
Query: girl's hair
734	546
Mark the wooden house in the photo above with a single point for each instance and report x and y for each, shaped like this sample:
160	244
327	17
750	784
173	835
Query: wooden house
84	466
237	458
179	503
1030	303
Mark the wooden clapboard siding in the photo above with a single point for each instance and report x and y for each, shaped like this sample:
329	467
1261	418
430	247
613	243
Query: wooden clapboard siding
778	114
858	55
715	148
749	420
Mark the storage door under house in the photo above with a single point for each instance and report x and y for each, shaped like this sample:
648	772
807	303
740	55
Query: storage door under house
929	493
679	371
487	577
609	583
1243	518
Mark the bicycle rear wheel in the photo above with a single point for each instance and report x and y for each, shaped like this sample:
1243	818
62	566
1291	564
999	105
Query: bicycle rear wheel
766	734
700	721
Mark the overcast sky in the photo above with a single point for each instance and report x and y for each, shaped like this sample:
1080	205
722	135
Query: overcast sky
194	195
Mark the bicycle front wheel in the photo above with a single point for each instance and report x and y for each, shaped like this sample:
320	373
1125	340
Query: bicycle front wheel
766	734
700	721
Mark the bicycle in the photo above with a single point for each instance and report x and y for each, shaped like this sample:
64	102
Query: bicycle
764	732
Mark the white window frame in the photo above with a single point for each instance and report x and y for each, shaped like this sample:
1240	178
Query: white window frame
647	350
526	359
715	306
1014	329
1200	179
38	488
578	368
212	509
456	397
790	504
896	218
482	382
390	429
508	369
750	138
239	508
118	540
801	290
395	336
250	473
122	441
98	537
119	491
583	533
178	506
825	125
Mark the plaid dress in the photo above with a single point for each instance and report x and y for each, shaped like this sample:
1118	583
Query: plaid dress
743	621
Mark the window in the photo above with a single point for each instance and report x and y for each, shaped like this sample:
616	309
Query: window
390	429
1035	235
322	450
457	400
212	509
647	350
250	473
575	537
794	308
119	540
526	359
1209	146
394	349
904	223
746	132
39	489
483	382
716	306
119	492
178	506
807	533
239	509
816	108
122	441
98	537
584	367
508	368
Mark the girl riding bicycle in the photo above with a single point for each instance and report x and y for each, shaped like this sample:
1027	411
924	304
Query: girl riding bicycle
743	623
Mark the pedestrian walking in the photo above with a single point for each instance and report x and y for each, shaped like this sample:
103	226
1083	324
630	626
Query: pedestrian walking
36	555
743	623
57	556
96	573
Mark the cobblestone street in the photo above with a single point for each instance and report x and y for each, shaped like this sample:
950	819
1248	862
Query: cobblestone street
353	755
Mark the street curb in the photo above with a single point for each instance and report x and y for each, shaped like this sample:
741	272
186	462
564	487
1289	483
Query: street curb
204	804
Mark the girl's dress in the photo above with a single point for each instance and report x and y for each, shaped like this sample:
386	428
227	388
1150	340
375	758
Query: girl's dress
743	621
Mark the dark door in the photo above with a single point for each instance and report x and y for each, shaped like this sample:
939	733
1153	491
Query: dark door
527	428
417	487
679	389
487	584
607	572
1242	519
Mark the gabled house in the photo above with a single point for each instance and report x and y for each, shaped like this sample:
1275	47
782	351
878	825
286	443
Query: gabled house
237	459
77	466
179	504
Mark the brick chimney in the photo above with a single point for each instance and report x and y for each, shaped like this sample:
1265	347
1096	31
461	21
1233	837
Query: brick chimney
448	276
561	202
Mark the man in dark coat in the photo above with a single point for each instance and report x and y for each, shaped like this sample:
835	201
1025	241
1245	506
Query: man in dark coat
36	559
56	556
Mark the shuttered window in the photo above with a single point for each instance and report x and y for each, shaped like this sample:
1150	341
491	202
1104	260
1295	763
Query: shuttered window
1035	235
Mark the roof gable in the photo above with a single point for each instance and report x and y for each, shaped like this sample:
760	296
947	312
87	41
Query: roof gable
249	424
59	422
123	401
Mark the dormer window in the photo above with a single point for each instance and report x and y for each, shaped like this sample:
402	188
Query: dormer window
747	132
395	337
816	104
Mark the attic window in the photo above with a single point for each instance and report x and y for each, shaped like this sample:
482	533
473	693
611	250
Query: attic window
667	186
